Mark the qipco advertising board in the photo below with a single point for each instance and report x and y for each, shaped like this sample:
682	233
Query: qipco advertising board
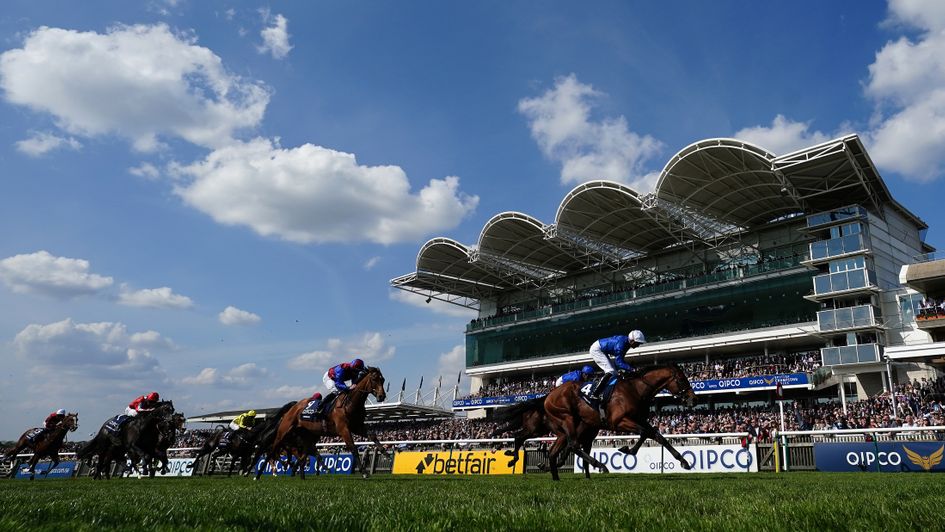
703	458
331	464
883	457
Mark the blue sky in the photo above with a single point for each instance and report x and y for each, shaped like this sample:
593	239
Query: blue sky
209	199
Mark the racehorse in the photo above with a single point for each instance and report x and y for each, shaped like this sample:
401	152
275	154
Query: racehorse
47	446
345	420
167	435
137	437
571	417
526	420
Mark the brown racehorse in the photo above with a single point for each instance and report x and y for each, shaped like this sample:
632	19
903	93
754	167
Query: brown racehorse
345	420
46	446
628	410
526	420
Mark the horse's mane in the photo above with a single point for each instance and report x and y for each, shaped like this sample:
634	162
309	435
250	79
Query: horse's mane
643	370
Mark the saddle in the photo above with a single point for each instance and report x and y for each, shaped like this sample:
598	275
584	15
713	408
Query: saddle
585	392
224	441
33	434
308	413
114	424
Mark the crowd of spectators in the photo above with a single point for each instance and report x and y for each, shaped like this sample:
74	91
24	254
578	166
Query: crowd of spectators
802	362
931	308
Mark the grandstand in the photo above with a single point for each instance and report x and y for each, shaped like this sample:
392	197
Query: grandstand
750	269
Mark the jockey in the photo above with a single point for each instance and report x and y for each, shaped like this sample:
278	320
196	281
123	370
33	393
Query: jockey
52	420
616	347
335	378
245	420
143	403
578	375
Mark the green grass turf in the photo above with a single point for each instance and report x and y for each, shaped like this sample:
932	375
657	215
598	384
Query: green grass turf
794	501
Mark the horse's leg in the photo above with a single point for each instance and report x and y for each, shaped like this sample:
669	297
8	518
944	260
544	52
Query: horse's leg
518	443
653	433
636	447
556	449
349	444
55	462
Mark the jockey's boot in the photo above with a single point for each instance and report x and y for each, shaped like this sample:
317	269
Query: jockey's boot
601	384
325	401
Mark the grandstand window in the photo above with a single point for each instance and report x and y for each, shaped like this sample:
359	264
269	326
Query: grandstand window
909	306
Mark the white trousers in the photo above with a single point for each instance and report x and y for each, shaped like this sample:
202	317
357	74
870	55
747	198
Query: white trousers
234	426
559	382
130	411
601	358
329	383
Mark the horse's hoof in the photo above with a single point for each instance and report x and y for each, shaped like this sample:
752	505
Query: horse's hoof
509	453
685	465
365	475
625	449
603	469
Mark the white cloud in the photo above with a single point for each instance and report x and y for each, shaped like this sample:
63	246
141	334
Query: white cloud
289	392
371	263
370	347
234	316
435	305
783	136
452	363
100	350
241	376
205	377
139	82
162	297
145	170
561	124
44	273
907	86
42	143
316	360
275	36
314	194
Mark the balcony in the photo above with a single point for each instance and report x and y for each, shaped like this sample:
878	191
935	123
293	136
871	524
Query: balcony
930	318
850	354
842	283
843	319
834	248
842	215
926	275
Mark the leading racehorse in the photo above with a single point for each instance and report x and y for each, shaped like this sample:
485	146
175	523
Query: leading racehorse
345	420
628	410
137	437
46	446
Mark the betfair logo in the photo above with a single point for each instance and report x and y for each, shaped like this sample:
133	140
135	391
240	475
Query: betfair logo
467	464
925	462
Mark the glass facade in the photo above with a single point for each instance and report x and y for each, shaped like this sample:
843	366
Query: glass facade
909	306
837	246
846	318
834	216
724	309
842	281
850	354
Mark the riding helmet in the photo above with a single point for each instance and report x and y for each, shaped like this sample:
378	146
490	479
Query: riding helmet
153	396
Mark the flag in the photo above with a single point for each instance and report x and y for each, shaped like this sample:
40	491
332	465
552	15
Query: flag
439	382
459	376
421	382
388	387
404	385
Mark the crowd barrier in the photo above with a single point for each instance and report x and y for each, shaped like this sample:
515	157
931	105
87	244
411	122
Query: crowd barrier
877	450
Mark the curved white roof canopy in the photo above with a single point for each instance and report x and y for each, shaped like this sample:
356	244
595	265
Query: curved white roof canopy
728	180
612	213
518	237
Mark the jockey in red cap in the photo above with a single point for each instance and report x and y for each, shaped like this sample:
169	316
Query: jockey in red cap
143	403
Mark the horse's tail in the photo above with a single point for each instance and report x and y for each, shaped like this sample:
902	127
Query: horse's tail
87	450
510	418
